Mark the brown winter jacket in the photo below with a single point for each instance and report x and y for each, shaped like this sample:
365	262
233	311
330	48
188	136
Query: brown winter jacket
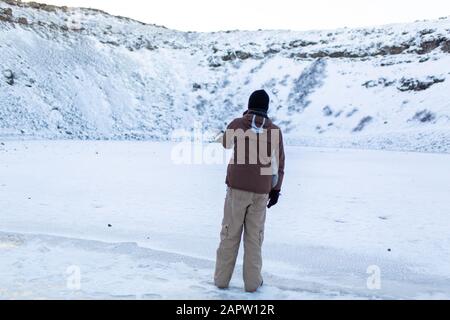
256	154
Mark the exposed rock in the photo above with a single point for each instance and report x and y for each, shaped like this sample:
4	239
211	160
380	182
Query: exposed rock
363	123
150	46
418	85
9	76
271	51
233	55
383	51
230	56
424	48
352	112
427	31
300	55
327	111
429	45
301	43
45	7
446	46
424	116
112	43
6	12
243	55
22	20
6	15
337	54
380	82
394	50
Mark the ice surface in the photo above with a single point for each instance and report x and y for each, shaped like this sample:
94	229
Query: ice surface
341	211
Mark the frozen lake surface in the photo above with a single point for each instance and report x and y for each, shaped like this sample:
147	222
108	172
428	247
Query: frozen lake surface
132	224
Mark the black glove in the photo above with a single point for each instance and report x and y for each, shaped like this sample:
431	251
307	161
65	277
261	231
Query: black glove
273	198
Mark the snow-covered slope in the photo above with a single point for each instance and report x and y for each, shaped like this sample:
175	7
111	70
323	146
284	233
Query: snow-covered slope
84	74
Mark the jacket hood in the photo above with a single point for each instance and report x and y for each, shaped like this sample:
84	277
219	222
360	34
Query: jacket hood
256	121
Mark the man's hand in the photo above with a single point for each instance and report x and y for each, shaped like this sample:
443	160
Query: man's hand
273	198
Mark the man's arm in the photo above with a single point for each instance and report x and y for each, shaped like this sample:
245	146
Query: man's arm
227	138
275	193
281	162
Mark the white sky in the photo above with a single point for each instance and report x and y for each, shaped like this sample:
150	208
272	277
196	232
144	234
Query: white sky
204	15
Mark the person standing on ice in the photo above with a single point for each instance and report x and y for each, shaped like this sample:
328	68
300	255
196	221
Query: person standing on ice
254	178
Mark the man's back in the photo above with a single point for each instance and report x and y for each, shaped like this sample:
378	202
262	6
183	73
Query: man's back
258	146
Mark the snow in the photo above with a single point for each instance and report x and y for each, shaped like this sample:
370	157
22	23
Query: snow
341	211
84	74
89	104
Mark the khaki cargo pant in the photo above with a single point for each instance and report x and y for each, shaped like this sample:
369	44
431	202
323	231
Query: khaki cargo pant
244	211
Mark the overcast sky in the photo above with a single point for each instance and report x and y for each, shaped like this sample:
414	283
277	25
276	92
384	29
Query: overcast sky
210	15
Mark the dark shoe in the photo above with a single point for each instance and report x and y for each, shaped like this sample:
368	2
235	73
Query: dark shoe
253	291
221	287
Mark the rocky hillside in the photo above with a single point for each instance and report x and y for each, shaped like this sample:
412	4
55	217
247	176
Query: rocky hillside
83	74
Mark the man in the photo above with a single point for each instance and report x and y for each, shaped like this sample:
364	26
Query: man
254	179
